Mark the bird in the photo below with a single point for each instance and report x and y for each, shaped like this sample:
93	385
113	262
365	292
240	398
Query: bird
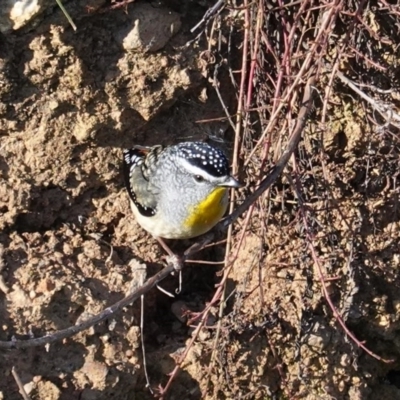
178	191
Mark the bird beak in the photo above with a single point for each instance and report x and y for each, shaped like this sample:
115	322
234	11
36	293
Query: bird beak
232	182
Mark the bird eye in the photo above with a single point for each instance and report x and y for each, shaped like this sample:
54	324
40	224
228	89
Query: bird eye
198	178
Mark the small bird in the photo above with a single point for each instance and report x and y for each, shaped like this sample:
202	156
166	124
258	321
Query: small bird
179	191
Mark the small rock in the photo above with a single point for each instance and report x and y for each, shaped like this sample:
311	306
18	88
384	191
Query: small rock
18	297
96	372
204	335
345	360
342	386
148	28
15	13
47	390
319	337
28	387
85	127
180	310
45	286
129	353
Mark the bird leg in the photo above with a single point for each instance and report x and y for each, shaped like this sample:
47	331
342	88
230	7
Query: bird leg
173	259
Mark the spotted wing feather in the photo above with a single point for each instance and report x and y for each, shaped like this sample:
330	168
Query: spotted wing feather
137	171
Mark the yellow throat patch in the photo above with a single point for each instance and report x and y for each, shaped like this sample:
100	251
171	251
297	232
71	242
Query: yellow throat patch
207	213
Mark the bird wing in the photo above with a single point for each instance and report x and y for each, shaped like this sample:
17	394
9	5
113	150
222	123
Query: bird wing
136	175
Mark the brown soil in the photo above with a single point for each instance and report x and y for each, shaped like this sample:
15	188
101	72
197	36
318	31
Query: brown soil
70	102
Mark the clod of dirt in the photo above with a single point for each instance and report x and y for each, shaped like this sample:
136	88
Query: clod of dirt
18	297
15	13
147	28
47	390
93	372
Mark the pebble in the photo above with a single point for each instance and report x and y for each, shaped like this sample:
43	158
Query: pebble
148	28
16	13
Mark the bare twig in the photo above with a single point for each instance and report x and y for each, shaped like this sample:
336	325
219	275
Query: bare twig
283	160
108	312
386	110
323	280
212	11
328	19
19	384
